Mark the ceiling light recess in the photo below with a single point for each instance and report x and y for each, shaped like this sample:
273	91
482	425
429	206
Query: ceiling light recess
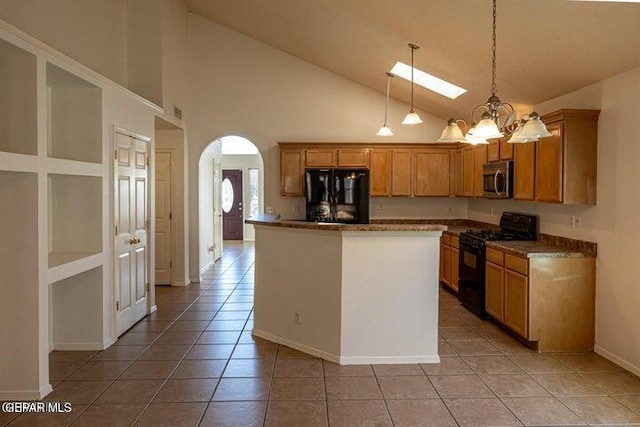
497	117
428	81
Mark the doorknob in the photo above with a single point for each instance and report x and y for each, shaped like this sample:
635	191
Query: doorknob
132	241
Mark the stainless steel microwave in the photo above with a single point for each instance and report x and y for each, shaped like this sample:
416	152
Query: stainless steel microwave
497	180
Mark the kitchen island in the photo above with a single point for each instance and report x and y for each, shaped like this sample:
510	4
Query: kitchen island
350	294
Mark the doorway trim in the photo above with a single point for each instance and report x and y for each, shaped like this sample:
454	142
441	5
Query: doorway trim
172	208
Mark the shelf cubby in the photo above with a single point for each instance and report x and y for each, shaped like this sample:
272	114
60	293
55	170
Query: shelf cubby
75	217
76	308
74	124
18	109
19	279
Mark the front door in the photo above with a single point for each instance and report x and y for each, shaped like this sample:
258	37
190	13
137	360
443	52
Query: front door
217	211
163	218
130	219
232	204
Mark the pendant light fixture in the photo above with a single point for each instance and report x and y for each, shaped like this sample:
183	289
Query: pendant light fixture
497	117
412	118
386	130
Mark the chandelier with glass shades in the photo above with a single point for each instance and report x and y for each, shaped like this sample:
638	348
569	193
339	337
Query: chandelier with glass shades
496	118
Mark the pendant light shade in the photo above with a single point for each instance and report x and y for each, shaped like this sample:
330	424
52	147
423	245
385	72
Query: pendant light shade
386	130
452	132
471	138
487	128
412	118
534	129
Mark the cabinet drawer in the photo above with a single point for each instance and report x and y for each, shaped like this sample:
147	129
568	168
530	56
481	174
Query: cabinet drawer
455	242
445	239
521	265
495	256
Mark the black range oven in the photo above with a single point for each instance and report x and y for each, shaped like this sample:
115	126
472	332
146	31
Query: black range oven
471	281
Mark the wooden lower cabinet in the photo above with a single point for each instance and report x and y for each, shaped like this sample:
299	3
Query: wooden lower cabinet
445	263
548	301
455	267
449	258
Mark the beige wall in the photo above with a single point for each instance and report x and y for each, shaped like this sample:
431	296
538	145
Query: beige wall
613	223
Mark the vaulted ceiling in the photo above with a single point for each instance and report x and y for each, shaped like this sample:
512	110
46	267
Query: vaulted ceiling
545	48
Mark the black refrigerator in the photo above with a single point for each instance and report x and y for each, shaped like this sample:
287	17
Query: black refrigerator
337	195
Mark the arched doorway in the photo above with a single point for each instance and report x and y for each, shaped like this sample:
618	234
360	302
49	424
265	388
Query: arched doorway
231	189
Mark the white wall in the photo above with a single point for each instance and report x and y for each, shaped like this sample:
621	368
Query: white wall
239	86
614	223
244	163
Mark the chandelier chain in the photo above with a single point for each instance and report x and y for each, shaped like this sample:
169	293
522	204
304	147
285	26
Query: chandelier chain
493	52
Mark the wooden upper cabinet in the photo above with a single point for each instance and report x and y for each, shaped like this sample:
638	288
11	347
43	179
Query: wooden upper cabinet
493	150
524	171
431	173
468	171
480	158
506	148
291	172
458	173
380	172
548	169
321	158
401	172
353	157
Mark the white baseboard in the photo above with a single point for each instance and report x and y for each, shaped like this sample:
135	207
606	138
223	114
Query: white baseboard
617	360
109	342
179	284
194	279
22	395
350	360
78	346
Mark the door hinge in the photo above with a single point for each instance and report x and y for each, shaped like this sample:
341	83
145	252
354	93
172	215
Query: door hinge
148	160
117	305
115	155
170	264
148	288
116	230
170	215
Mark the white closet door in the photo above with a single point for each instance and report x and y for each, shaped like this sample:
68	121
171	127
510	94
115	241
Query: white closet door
131	230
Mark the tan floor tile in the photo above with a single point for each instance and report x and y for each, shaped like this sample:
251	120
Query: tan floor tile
101	370
199	369
157	326
210	351
59	370
172	414
630	401
219	337
615	382
539	364
131	391
513	385
406	387
226	325
451	321
77	392
297	389
242	389
165	352
71	356
6	417
587	362
420	413
358	413
112	415
234	414
458	333
567	384
449	365
249	368
444	349
162	316
398	369
481	412
232	315
137	338
335	370
493	333
541	411
512	346
254	351
285	352
197	315
307	413
600	410
189	325
150	370
460	386
47	419
188	390
474	348
352	388
178	338
492	365
120	352
298	368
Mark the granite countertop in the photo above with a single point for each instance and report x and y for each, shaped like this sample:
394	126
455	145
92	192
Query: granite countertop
270	220
536	249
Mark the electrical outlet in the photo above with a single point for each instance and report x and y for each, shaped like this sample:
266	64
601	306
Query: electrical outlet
296	208
297	320
575	221
269	209
450	209
380	209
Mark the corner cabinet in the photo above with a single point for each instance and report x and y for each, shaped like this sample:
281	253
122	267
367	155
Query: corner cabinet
548	301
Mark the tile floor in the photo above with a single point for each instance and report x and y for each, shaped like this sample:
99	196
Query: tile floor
194	362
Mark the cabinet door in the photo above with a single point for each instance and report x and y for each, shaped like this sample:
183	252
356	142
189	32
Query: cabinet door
468	174
480	155
458	173
548	175
291	172
401	172
493	150
524	171
431	172
380	172
445	263
516	302
506	149
321	158
494	292
353	158
455	268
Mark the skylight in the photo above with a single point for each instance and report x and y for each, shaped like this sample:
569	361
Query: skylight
232	145
428	81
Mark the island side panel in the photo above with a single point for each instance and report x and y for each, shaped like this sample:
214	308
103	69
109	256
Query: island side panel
390	297
299	271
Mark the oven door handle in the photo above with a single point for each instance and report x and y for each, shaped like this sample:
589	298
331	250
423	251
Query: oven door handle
495	182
